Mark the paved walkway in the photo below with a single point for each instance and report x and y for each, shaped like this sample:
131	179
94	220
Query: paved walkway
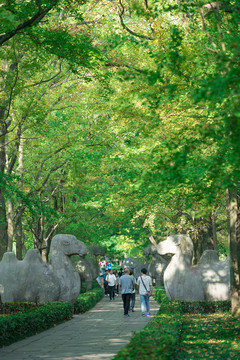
98	334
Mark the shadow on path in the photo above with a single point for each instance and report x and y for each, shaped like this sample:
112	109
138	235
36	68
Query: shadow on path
98	334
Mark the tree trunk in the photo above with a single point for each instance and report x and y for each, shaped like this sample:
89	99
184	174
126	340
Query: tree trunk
197	248
19	229
3	226
3	215
206	237
10	225
19	234
214	231
9	204
233	211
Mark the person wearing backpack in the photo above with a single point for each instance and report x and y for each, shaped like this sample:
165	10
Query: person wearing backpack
144	283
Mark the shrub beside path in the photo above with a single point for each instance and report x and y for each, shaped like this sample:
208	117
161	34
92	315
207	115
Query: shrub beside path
97	334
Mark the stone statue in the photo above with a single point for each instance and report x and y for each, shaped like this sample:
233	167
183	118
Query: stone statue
135	265
33	280
210	280
157	264
88	268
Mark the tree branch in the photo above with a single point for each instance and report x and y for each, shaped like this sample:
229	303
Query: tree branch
121	12
45	81
28	23
49	157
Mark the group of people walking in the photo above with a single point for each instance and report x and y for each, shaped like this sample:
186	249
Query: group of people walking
112	280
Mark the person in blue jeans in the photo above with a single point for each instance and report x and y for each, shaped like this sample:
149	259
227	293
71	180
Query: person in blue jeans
144	283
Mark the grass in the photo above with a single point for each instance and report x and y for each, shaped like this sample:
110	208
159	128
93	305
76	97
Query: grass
210	336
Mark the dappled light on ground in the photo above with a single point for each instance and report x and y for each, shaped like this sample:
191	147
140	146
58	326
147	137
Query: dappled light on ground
210	336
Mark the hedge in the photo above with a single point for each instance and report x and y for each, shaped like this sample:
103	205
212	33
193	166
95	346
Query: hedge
20	320
205	307
20	325
87	300
13	308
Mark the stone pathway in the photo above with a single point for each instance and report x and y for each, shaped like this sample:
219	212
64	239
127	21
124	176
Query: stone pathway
98	334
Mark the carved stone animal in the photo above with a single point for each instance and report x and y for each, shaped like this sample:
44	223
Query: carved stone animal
210	280
31	279
88	268
157	264
135	265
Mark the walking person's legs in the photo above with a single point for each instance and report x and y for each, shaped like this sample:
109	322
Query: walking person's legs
143	302
105	289
111	292
133	301
126	303
147	304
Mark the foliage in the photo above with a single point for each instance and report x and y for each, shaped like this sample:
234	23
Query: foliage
95	285
20	325
209	336
204	307
87	300
12	308
143	104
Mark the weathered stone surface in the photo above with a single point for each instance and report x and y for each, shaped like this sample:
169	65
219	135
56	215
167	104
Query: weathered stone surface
135	265
62	248
210	280
88	268
157	264
32	279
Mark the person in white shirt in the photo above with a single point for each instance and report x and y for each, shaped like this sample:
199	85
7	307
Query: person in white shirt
112	282
144	283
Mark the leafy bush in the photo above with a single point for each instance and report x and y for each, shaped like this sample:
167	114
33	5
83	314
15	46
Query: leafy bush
83	286
205	307
20	325
12	308
87	300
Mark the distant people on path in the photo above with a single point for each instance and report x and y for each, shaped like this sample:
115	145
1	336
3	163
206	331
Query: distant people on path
112	282
133	295
105	283
120	273
102	267
109	266
144	283
127	286
117	287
